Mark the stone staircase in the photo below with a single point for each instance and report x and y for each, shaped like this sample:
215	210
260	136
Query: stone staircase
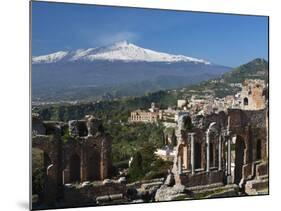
257	186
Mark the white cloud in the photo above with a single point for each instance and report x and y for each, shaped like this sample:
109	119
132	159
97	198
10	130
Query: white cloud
116	37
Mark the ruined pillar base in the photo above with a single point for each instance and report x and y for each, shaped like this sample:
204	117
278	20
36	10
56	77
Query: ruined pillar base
229	179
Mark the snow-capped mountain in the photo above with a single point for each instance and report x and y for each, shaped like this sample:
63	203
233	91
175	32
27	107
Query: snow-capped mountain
120	51
122	68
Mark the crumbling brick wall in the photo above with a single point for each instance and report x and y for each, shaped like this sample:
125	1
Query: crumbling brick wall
85	140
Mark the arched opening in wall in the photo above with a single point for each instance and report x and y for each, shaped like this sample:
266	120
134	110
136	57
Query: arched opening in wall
211	154
187	122
180	155
197	155
245	101
82	129
258	149
239	159
40	163
216	155
94	167
74	168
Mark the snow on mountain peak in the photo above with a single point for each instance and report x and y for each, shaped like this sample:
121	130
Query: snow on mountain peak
50	58
120	51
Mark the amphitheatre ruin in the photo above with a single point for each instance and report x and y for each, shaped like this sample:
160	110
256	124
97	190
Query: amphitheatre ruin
223	154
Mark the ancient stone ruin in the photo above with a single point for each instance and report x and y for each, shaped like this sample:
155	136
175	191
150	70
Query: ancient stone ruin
253	95
79	151
223	148
217	155
204	152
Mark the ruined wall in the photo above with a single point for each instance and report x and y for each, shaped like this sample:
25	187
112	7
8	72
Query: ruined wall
244	129
252	95
78	151
37	126
202	178
77	196
190	164
51	162
250	128
240	119
94	154
203	122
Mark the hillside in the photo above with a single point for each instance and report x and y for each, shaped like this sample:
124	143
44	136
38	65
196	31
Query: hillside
116	110
256	69
229	83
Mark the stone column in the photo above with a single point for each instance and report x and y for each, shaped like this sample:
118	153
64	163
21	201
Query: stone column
229	178
51	185
219	154
179	165
192	152
83	165
208	151
185	157
228	156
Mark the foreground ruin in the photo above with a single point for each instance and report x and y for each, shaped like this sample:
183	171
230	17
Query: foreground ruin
217	155
72	153
223	148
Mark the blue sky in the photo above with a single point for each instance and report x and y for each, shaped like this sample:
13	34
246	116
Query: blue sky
229	40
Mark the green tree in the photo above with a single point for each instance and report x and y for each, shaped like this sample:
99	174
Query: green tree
135	169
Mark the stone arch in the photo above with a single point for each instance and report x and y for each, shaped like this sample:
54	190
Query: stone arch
197	155
245	101
184	122
212	145
82	129
40	163
180	154
258	149
47	161
74	168
239	158
94	166
217	155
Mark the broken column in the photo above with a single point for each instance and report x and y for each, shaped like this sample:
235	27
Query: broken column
192	152
228	138
208	144
208	150
229	178
179	166
185	157
219	155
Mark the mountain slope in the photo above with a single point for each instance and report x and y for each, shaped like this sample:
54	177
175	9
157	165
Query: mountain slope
116	70
255	69
229	82
120	51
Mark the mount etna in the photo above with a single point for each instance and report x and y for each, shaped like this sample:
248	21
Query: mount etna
120	69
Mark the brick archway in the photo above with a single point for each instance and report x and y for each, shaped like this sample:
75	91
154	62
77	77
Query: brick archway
94	166
258	149
74	168
198	161
239	158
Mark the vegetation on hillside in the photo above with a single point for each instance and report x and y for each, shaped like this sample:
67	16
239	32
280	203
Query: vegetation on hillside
225	84
146	165
129	138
